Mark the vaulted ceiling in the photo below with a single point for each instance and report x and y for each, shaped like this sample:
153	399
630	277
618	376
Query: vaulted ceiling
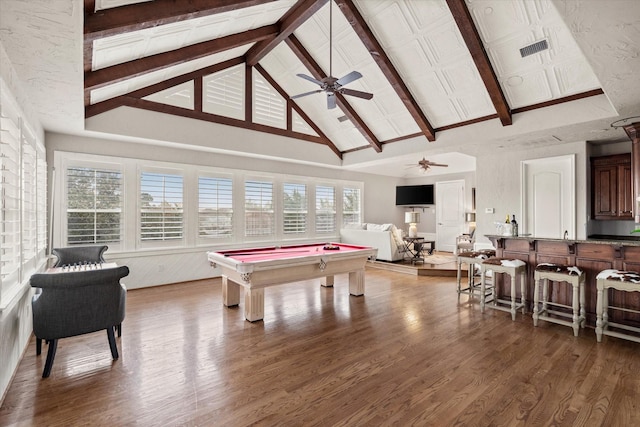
439	70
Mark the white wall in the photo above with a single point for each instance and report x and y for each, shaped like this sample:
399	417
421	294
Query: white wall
498	184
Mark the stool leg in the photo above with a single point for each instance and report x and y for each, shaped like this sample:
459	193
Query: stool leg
482	288
459	276
523	291
576	307
605	308
545	295
599	306
583	314
536	300
513	296
471	268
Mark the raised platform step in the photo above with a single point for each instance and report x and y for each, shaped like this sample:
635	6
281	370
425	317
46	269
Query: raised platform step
439	264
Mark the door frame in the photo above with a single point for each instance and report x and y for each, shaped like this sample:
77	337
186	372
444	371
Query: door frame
460	223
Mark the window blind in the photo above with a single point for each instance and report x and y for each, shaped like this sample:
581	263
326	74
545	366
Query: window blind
29	182
294	208
259	209
269	108
215	207
224	93
351	206
325	209
161	207
94	205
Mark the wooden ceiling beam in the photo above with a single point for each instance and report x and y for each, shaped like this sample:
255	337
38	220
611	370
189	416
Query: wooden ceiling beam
297	108
346	108
127	70
378	54
290	21
139	16
471	37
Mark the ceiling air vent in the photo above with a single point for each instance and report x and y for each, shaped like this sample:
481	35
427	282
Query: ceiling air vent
534	48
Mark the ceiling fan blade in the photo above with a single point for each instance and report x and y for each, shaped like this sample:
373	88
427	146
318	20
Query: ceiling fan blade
354	75
311	79
331	100
343	119
438	164
305	94
356	93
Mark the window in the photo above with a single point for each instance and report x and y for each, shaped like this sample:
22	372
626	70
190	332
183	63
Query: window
259	213
28	197
269	107
215	207
294	209
94	205
351	206
325	209
161	207
224	93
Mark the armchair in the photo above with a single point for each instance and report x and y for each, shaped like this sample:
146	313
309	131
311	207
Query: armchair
76	303
79	255
465	242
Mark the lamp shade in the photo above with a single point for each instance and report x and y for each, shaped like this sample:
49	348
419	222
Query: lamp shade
470	217
411	217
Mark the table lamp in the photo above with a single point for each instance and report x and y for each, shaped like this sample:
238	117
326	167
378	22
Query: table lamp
470	217
412	218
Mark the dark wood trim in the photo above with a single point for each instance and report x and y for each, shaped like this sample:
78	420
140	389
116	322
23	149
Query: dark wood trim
403	138
104	106
468	122
198	93
633	131
290	21
248	93
87	45
134	17
289	113
471	37
378	54
120	72
213	118
315	69
569	98
353	150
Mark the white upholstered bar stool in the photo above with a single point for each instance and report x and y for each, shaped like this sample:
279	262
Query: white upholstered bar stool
562	274
471	258
626	281
512	267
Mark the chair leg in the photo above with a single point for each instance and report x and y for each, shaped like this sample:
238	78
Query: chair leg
112	343
38	346
51	354
119	327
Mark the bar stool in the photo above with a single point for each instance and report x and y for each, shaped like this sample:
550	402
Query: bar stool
512	267
627	281
471	258
559	273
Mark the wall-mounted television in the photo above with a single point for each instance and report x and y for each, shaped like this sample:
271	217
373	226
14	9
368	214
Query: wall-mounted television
413	195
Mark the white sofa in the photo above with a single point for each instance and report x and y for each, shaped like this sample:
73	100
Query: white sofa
384	237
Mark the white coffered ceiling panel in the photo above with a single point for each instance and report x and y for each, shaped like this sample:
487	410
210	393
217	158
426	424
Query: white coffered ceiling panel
507	26
426	47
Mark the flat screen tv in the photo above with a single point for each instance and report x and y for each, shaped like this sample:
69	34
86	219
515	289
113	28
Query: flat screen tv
413	195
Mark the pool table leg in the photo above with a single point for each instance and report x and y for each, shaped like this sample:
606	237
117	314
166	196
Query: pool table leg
327	281
254	304
230	292
356	282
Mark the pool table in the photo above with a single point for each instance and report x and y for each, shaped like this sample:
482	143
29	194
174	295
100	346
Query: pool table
258	268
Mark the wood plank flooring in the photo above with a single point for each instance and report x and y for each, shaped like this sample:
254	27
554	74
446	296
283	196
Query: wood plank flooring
406	353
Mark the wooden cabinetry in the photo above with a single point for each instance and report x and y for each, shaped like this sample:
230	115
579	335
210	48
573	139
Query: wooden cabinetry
611	180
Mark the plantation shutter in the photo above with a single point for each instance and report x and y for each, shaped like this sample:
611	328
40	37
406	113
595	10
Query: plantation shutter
269	107
259	209
325	209
161	201
224	93
295	208
94	205
29	200
351	206
215	207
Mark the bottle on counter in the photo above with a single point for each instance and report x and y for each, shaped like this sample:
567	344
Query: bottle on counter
514	226
507	220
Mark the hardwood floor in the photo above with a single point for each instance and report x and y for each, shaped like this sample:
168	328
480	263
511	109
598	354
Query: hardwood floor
406	353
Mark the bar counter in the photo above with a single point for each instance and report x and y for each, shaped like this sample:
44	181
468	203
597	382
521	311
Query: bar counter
591	256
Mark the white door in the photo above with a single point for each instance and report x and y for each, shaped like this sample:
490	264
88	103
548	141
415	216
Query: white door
449	214
548	197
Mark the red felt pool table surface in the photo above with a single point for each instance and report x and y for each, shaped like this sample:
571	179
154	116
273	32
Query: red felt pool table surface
272	253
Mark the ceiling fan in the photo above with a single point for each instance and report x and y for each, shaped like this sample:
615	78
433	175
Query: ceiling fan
425	164
332	85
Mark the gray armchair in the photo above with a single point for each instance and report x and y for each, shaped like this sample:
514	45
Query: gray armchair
76	303
79	255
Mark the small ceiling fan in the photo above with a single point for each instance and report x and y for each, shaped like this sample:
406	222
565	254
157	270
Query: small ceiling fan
425	164
332	85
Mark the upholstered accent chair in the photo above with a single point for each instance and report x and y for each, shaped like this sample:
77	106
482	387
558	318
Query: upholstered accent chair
79	255
76	303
